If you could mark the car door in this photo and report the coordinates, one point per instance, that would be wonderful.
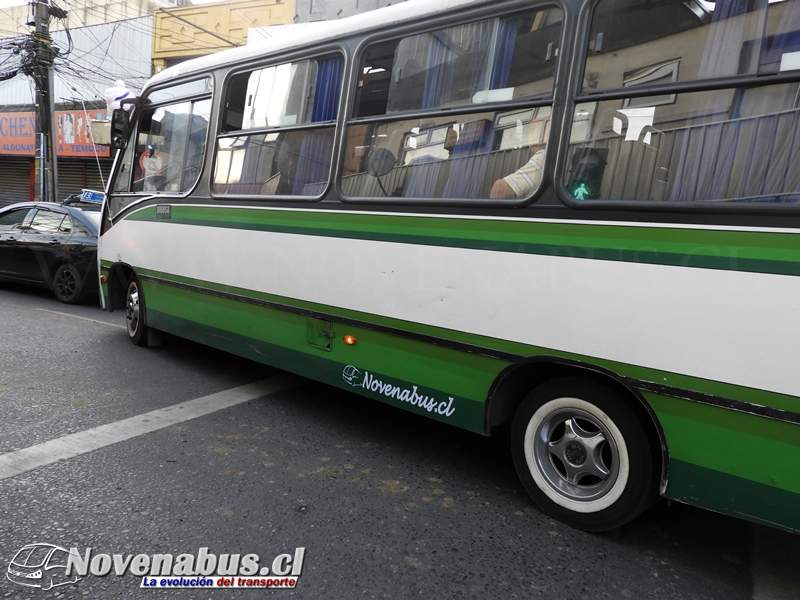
(11, 223)
(41, 246)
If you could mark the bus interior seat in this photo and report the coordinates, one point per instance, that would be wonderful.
(468, 160)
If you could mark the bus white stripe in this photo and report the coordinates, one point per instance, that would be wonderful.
(729, 326)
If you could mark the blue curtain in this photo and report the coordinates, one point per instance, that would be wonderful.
(314, 163)
(438, 74)
(506, 38)
(327, 89)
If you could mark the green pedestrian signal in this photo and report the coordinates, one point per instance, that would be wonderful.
(581, 192)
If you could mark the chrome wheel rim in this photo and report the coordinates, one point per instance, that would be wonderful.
(132, 309)
(576, 455)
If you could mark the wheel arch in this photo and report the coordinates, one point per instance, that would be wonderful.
(118, 277)
(514, 383)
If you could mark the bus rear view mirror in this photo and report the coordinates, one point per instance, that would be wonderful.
(120, 127)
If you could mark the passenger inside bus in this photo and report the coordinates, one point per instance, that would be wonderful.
(523, 182)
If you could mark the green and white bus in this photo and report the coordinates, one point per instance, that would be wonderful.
(578, 219)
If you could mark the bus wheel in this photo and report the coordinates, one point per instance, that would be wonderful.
(134, 313)
(583, 455)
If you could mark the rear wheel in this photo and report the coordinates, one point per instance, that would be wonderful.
(67, 284)
(134, 313)
(584, 455)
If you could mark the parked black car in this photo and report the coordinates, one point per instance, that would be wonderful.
(50, 245)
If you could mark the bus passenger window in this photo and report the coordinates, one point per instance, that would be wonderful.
(667, 135)
(438, 155)
(278, 129)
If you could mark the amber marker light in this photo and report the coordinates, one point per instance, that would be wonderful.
(103, 278)
(350, 340)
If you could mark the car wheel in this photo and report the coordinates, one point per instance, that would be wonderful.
(67, 284)
(584, 455)
(134, 313)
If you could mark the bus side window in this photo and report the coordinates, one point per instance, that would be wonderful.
(277, 135)
(680, 141)
(438, 155)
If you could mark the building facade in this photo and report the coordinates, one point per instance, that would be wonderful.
(87, 65)
(190, 31)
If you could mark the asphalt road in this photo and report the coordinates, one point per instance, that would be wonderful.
(385, 503)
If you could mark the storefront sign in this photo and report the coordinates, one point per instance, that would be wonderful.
(73, 136)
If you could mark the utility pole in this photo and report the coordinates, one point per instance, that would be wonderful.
(44, 54)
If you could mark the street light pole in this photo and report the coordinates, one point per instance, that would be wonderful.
(44, 53)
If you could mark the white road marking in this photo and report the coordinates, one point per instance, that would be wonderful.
(773, 564)
(63, 314)
(70, 446)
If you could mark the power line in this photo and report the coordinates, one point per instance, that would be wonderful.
(158, 30)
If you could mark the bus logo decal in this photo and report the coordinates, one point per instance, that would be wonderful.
(354, 377)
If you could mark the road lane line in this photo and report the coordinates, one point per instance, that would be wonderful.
(63, 314)
(774, 564)
(75, 444)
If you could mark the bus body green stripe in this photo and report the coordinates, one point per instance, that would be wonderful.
(753, 448)
(747, 251)
(513, 349)
(435, 373)
(734, 496)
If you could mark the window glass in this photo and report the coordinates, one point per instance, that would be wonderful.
(297, 103)
(122, 180)
(166, 153)
(292, 163)
(272, 97)
(14, 219)
(448, 157)
(640, 42)
(730, 145)
(47, 221)
(481, 155)
(81, 229)
(498, 59)
(169, 147)
(184, 90)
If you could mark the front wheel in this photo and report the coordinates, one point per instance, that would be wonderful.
(134, 313)
(583, 455)
(67, 284)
